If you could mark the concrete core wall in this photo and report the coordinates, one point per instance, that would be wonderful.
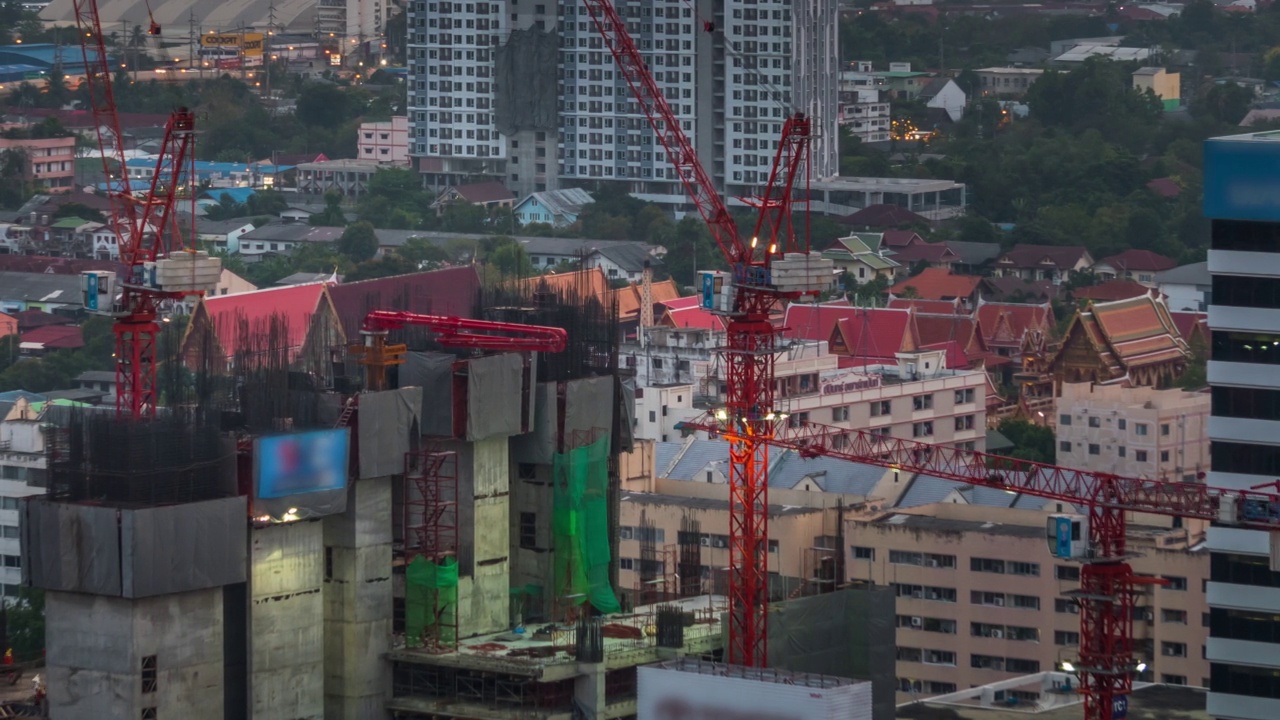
(533, 566)
(286, 631)
(484, 515)
(96, 646)
(358, 604)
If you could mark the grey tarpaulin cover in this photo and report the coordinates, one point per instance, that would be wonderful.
(525, 68)
(589, 404)
(433, 372)
(389, 425)
(848, 633)
(494, 386)
(179, 548)
(539, 445)
(74, 548)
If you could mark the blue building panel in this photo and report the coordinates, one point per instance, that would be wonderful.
(1245, 172)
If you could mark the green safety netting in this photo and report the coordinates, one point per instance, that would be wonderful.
(580, 524)
(430, 601)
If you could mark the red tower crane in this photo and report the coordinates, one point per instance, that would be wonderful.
(754, 294)
(1107, 582)
(142, 223)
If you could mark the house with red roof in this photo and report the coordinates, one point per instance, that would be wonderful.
(295, 326)
(883, 216)
(1138, 266)
(940, 284)
(687, 312)
(1132, 342)
(1110, 291)
(1043, 262)
(962, 333)
(937, 255)
(50, 337)
(1193, 327)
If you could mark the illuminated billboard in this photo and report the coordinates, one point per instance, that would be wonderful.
(247, 43)
(301, 463)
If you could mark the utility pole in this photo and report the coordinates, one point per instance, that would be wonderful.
(266, 56)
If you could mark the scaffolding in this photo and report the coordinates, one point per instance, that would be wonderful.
(431, 532)
(689, 567)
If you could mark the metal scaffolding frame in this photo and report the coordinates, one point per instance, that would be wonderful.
(431, 524)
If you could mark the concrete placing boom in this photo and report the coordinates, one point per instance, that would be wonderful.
(752, 338)
(1107, 582)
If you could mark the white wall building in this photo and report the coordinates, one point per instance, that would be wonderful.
(1188, 287)
(730, 89)
(22, 474)
(865, 112)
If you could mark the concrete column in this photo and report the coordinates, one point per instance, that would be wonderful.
(286, 636)
(358, 604)
(588, 689)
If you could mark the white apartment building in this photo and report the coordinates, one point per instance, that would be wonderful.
(866, 114)
(385, 142)
(1134, 432)
(917, 399)
(731, 90)
(22, 474)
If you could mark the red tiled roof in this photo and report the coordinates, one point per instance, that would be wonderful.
(484, 192)
(1004, 324)
(687, 312)
(1191, 324)
(955, 357)
(873, 335)
(961, 329)
(803, 321)
(1165, 187)
(628, 298)
(1133, 332)
(32, 319)
(293, 304)
(55, 337)
(937, 307)
(928, 252)
(1111, 290)
(1139, 260)
(451, 291)
(938, 284)
(900, 238)
(1063, 257)
(55, 266)
(883, 216)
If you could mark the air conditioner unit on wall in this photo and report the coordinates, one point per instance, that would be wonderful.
(704, 542)
(997, 634)
(917, 622)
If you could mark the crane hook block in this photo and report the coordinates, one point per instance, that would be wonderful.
(708, 26)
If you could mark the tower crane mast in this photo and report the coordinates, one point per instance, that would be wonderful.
(143, 224)
(753, 296)
(1108, 584)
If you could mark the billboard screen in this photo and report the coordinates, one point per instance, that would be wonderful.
(301, 463)
(246, 43)
(1242, 177)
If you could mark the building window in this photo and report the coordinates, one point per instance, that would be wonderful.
(1064, 446)
(922, 429)
(149, 679)
(1064, 419)
(1140, 429)
(1164, 429)
(964, 396)
(987, 565)
(1094, 449)
(1173, 679)
(1066, 637)
(964, 422)
(149, 714)
(1175, 583)
(529, 530)
(880, 408)
(1178, 617)
(1121, 423)
(922, 402)
(1024, 568)
(1173, 649)
(864, 553)
(1140, 455)
(626, 564)
(1066, 572)
(840, 414)
(1066, 606)
(1095, 421)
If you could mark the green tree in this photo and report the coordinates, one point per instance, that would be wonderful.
(359, 242)
(423, 254)
(689, 250)
(1030, 442)
(511, 260)
(332, 215)
(25, 625)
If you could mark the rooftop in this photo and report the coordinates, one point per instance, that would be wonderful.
(1193, 274)
(1148, 702)
(939, 284)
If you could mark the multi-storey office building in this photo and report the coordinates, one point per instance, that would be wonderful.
(530, 94)
(1242, 202)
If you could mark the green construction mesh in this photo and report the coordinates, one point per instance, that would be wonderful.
(581, 526)
(431, 595)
